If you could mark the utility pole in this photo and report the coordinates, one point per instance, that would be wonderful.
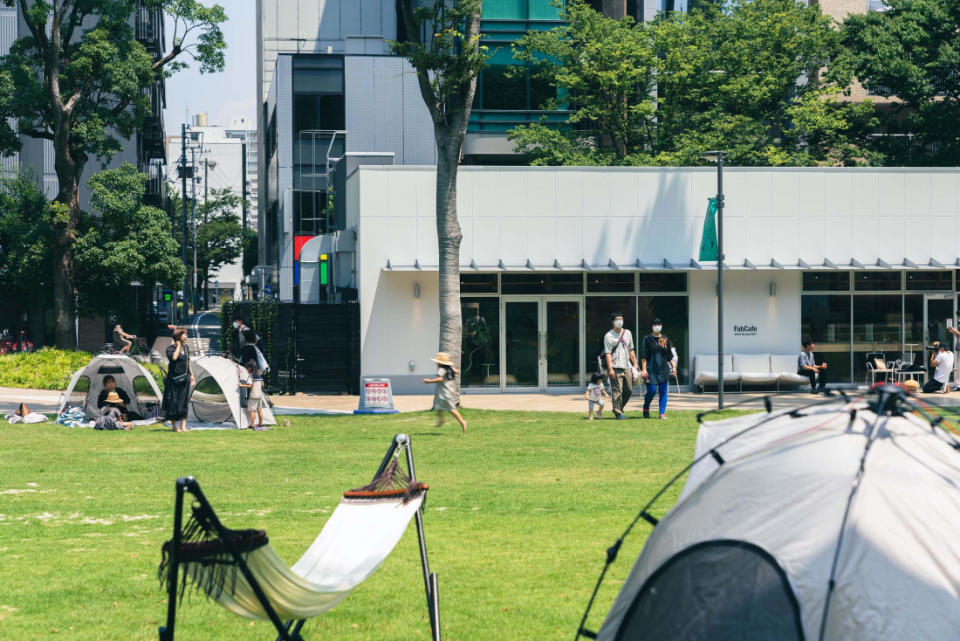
(193, 210)
(243, 196)
(183, 217)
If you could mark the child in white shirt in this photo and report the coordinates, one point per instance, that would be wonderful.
(594, 396)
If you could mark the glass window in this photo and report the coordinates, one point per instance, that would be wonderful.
(598, 323)
(876, 328)
(480, 351)
(672, 310)
(504, 88)
(826, 321)
(832, 281)
(610, 282)
(534, 283)
(309, 212)
(317, 111)
(876, 281)
(912, 328)
(663, 282)
(930, 280)
(541, 90)
(478, 283)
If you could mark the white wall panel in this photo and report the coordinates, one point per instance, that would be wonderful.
(837, 193)
(943, 193)
(890, 194)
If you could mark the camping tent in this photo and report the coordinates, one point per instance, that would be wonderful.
(829, 523)
(215, 399)
(87, 383)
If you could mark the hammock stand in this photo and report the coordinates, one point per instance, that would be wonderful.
(237, 544)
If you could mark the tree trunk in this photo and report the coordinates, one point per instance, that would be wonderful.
(449, 236)
(64, 272)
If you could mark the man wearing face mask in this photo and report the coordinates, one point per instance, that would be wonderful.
(619, 353)
(657, 366)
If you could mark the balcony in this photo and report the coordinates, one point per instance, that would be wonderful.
(315, 151)
(152, 136)
(877, 5)
(148, 27)
(155, 189)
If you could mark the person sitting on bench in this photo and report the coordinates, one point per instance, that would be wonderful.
(942, 360)
(807, 366)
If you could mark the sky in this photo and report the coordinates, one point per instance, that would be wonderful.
(224, 96)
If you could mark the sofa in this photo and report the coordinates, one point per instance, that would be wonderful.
(752, 369)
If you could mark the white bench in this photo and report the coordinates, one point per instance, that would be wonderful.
(752, 369)
(705, 370)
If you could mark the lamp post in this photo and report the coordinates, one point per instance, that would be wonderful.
(718, 157)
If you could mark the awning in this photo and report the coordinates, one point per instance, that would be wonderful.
(851, 264)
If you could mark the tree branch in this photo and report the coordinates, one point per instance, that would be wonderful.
(37, 133)
(37, 31)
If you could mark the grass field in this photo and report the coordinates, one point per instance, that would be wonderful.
(520, 513)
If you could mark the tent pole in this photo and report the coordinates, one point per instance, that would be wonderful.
(429, 580)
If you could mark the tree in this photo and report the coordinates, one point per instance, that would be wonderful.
(122, 241)
(744, 76)
(606, 68)
(443, 45)
(79, 76)
(219, 232)
(910, 52)
(26, 226)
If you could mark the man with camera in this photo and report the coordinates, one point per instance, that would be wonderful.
(942, 360)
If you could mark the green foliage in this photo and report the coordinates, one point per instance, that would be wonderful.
(251, 251)
(122, 241)
(519, 514)
(26, 226)
(910, 52)
(448, 58)
(745, 77)
(44, 369)
(260, 316)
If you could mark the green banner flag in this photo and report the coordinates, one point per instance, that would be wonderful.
(708, 243)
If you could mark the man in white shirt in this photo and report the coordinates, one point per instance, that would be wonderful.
(619, 354)
(942, 360)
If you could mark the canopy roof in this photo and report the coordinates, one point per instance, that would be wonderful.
(87, 383)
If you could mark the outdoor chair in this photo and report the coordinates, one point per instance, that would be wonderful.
(877, 365)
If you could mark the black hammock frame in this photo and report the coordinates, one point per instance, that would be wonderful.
(887, 400)
(286, 630)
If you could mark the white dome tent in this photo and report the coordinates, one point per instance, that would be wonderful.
(215, 398)
(837, 522)
(87, 383)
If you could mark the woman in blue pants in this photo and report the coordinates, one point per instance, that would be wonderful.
(657, 366)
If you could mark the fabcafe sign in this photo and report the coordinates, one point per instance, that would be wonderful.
(744, 330)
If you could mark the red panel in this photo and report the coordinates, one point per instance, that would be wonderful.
(298, 243)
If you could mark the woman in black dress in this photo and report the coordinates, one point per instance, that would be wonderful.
(176, 389)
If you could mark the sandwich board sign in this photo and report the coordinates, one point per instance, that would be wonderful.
(376, 397)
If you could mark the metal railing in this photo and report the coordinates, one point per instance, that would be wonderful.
(316, 151)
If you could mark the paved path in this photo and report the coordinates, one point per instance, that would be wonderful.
(46, 401)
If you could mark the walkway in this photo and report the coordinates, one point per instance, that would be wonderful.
(46, 401)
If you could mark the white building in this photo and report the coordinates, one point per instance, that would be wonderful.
(860, 260)
(219, 165)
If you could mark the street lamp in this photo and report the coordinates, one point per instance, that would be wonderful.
(717, 157)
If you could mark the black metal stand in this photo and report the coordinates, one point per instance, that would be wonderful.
(286, 630)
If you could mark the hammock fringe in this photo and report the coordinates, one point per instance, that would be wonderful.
(391, 483)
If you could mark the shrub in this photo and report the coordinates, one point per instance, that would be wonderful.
(44, 369)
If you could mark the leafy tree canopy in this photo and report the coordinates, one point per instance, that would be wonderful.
(26, 224)
(744, 77)
(910, 52)
(122, 240)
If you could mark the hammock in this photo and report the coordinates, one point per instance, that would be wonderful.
(239, 570)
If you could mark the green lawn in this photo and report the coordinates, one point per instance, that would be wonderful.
(520, 513)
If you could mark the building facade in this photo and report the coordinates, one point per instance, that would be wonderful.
(844, 256)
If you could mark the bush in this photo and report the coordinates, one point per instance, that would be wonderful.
(44, 369)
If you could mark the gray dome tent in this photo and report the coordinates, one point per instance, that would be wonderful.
(87, 383)
(837, 522)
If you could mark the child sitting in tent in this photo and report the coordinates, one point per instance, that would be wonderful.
(111, 417)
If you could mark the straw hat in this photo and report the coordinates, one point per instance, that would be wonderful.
(113, 397)
(911, 385)
(442, 358)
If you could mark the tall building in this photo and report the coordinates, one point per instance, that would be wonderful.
(145, 149)
(329, 86)
(217, 160)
